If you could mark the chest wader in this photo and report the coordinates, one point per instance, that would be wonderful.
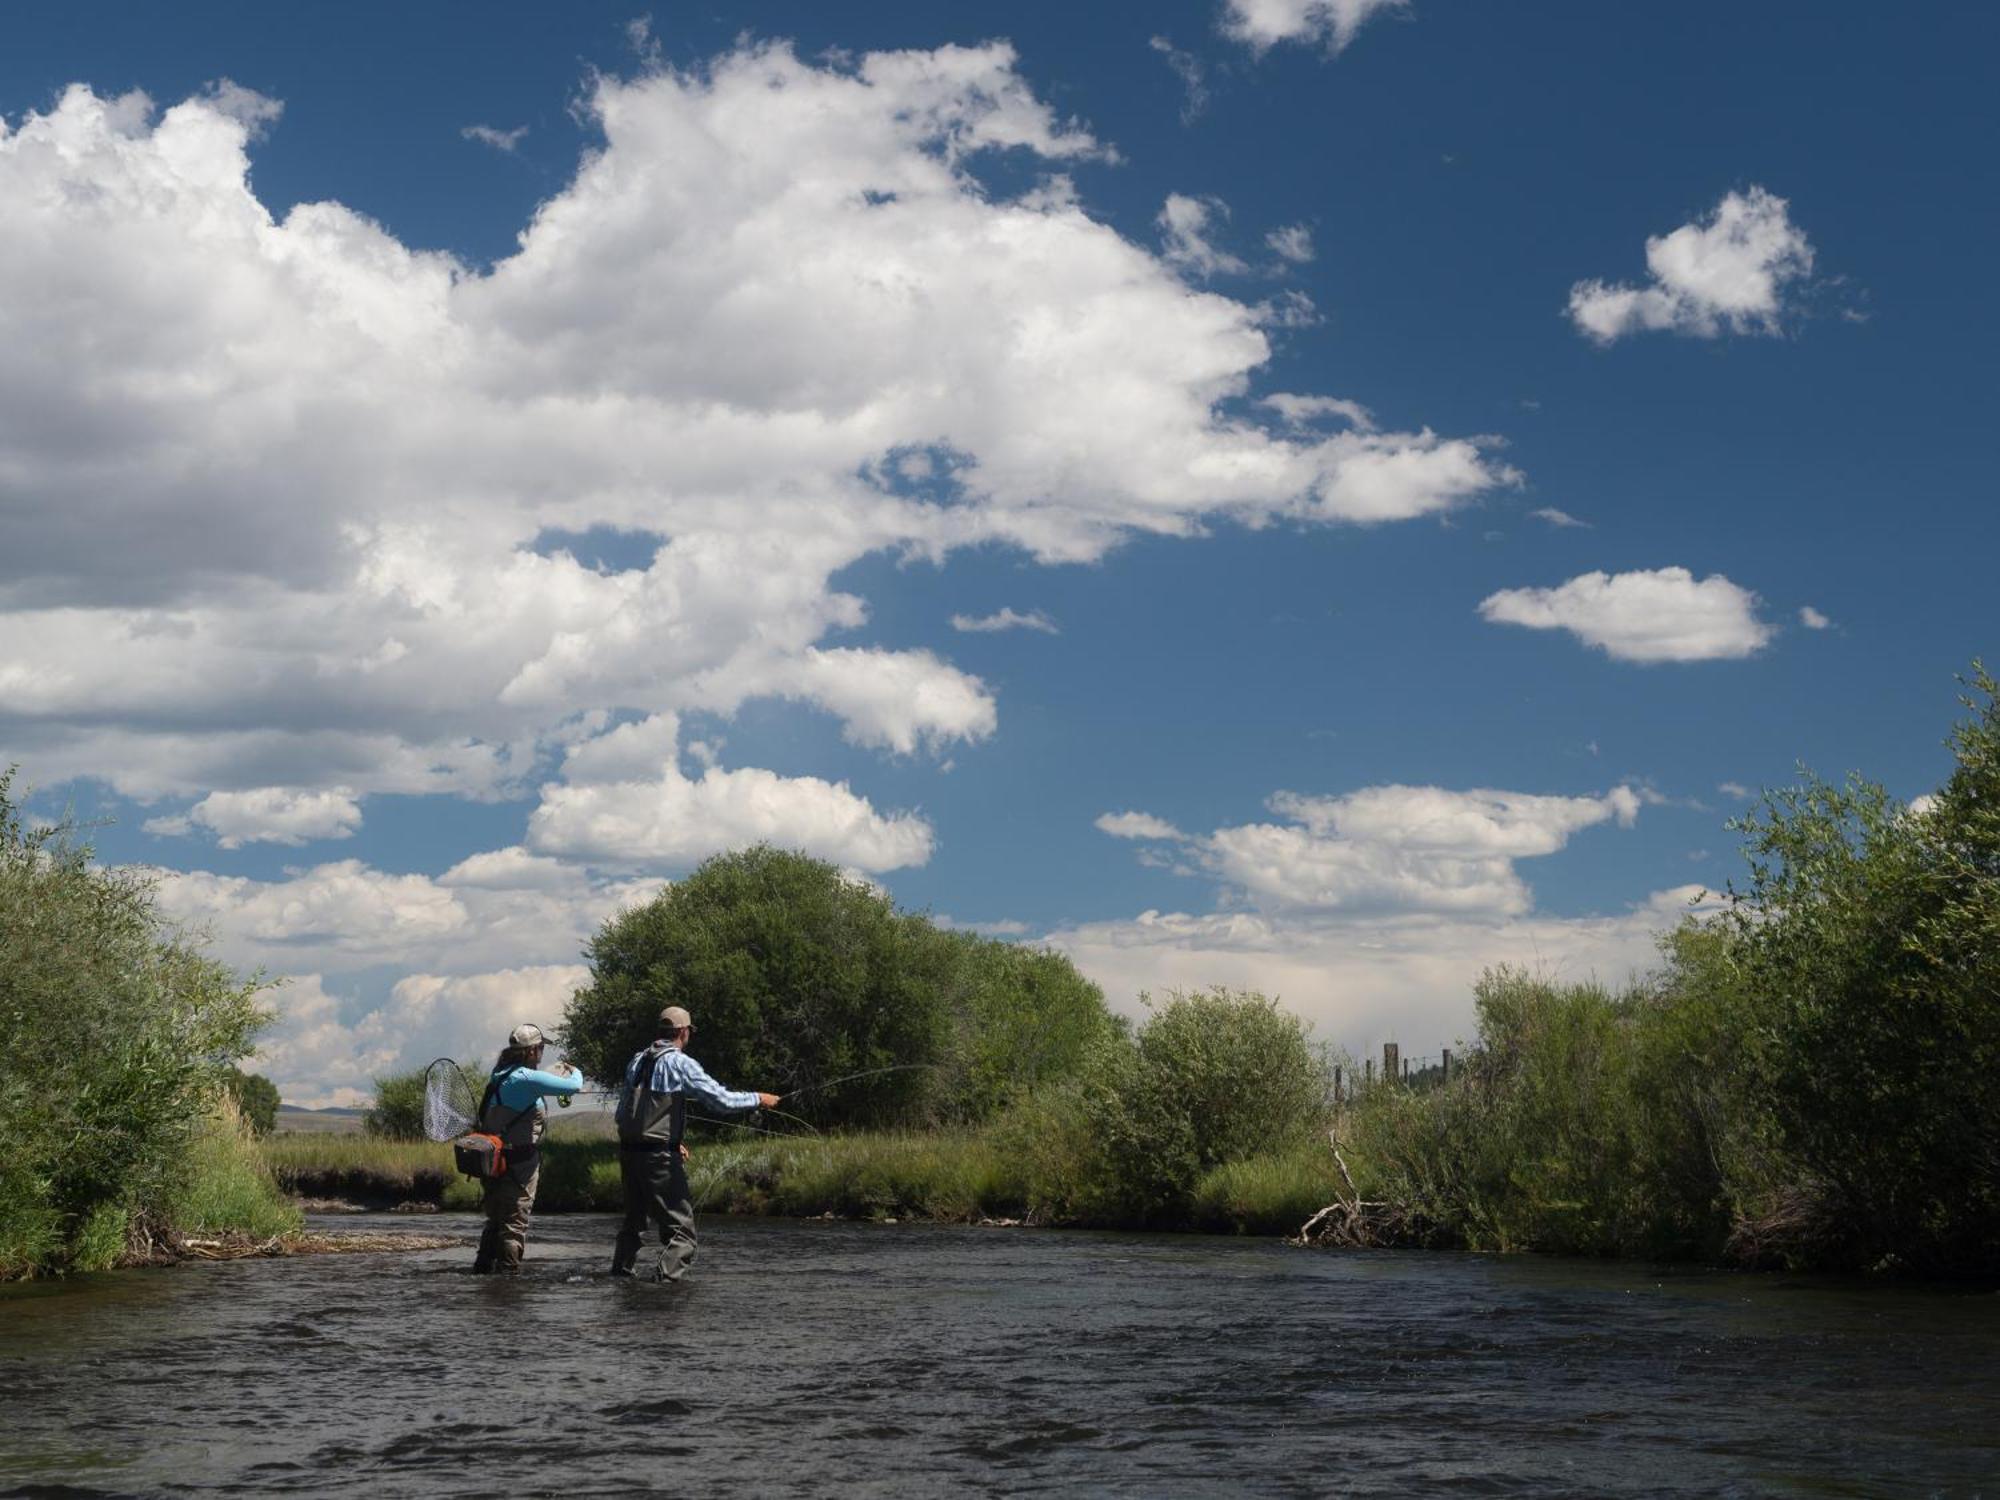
(651, 1120)
(651, 1123)
(509, 1198)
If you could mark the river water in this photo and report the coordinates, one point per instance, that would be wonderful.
(844, 1358)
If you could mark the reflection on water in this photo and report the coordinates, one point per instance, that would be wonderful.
(850, 1358)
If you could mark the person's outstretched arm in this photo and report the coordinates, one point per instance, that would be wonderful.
(694, 1078)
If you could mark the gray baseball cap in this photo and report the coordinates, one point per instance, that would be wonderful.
(673, 1018)
(527, 1034)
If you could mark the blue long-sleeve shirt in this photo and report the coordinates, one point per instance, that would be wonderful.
(526, 1086)
(677, 1073)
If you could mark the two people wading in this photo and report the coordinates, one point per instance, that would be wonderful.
(513, 1109)
(652, 1161)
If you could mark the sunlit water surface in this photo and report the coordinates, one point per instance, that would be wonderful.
(841, 1358)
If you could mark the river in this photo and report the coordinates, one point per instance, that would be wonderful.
(843, 1358)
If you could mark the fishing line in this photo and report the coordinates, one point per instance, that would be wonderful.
(852, 1077)
(783, 1135)
(784, 1116)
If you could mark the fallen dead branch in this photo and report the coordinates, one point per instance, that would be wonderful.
(242, 1247)
(1352, 1222)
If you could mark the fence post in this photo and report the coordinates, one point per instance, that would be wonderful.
(1368, 1071)
(1447, 1065)
(1391, 1071)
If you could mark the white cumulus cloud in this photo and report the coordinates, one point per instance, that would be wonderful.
(1262, 24)
(1372, 913)
(1664, 614)
(268, 815)
(500, 140)
(1812, 619)
(1005, 618)
(326, 1049)
(1729, 273)
(1404, 848)
(1293, 243)
(1184, 232)
(1557, 518)
(1137, 825)
(273, 484)
(624, 800)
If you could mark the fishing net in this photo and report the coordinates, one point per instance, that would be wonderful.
(450, 1106)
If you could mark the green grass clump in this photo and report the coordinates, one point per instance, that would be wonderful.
(226, 1186)
(1274, 1192)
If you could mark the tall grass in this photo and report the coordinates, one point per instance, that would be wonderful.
(1583, 1123)
(225, 1186)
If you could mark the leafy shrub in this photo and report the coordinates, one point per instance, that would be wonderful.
(798, 977)
(255, 1098)
(132, 1031)
(1211, 1077)
(397, 1111)
(1867, 940)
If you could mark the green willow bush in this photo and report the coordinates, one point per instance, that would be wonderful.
(1867, 944)
(1567, 1129)
(798, 976)
(1211, 1078)
(131, 1033)
(396, 1113)
(1813, 1079)
(255, 1098)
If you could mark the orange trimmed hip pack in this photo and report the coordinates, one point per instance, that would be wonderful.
(482, 1153)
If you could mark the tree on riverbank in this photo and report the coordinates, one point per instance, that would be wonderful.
(1866, 946)
(125, 1034)
(256, 1098)
(1812, 1080)
(797, 976)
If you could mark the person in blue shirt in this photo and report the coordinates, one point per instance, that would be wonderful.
(652, 1162)
(513, 1109)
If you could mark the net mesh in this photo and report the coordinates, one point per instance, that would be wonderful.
(450, 1106)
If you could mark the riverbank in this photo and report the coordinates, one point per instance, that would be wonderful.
(944, 1177)
(284, 1246)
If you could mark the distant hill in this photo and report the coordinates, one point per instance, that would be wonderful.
(291, 1117)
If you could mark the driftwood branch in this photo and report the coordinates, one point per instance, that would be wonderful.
(1352, 1222)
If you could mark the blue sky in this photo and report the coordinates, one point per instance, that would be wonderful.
(472, 463)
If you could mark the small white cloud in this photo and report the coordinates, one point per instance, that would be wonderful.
(1727, 274)
(512, 869)
(269, 815)
(1737, 790)
(625, 801)
(499, 140)
(1557, 518)
(1005, 619)
(1262, 24)
(1193, 77)
(1184, 228)
(1923, 803)
(1812, 619)
(1137, 825)
(168, 828)
(1387, 849)
(1660, 615)
(1294, 243)
(1303, 411)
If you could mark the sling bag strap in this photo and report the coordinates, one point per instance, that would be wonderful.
(492, 1096)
